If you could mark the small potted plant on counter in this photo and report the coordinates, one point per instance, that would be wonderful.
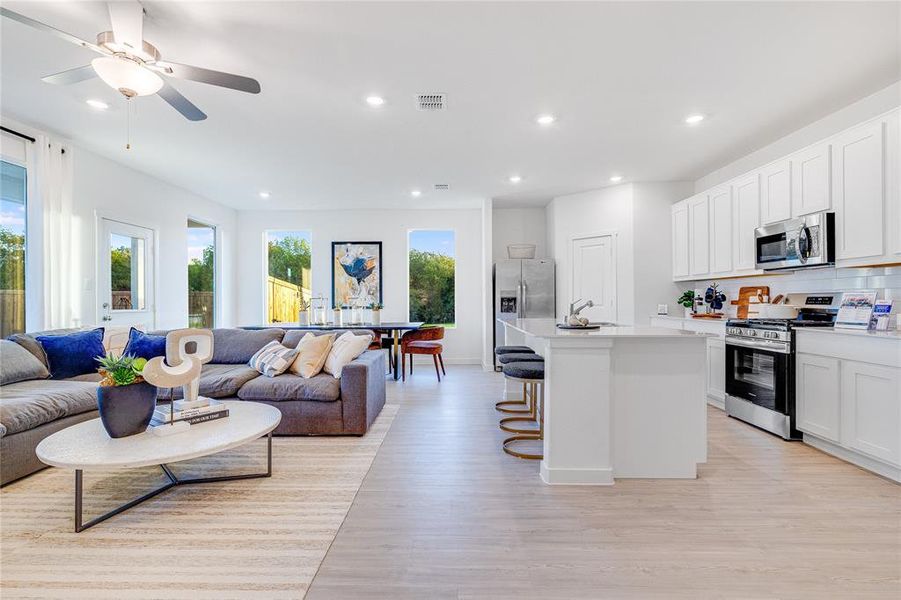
(687, 299)
(125, 401)
(376, 310)
(303, 313)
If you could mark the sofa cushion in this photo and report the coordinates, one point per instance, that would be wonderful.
(74, 353)
(91, 377)
(273, 359)
(18, 364)
(237, 346)
(145, 345)
(27, 404)
(28, 341)
(217, 381)
(293, 336)
(322, 388)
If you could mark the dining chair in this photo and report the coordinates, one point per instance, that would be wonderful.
(422, 341)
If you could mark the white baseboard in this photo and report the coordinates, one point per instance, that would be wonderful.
(576, 476)
(862, 461)
(716, 402)
(427, 360)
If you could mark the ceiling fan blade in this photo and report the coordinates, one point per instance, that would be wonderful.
(127, 19)
(226, 80)
(71, 76)
(180, 103)
(51, 30)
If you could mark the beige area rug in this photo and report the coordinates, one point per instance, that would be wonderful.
(260, 538)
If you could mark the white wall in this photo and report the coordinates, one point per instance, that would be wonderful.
(391, 227)
(849, 116)
(652, 212)
(519, 226)
(599, 211)
(101, 186)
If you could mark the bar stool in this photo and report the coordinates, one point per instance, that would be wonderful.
(530, 373)
(511, 349)
(509, 406)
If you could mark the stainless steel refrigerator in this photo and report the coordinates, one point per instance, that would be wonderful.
(523, 289)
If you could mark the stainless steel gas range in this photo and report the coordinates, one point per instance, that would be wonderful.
(760, 363)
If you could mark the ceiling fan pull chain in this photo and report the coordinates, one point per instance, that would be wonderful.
(127, 123)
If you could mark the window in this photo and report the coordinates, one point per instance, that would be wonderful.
(12, 248)
(289, 258)
(127, 272)
(201, 275)
(432, 275)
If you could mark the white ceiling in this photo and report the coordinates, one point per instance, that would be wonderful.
(620, 76)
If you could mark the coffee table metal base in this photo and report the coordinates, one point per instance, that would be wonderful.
(173, 481)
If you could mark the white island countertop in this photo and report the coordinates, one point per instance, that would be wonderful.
(891, 334)
(547, 329)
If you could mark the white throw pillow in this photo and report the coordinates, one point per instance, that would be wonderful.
(345, 349)
(115, 339)
(272, 359)
(312, 352)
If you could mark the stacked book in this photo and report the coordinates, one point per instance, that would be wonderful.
(210, 411)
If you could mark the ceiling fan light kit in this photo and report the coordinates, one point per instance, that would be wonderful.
(127, 76)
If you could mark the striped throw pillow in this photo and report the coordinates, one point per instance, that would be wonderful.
(272, 359)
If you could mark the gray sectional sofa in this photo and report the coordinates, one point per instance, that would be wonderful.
(32, 409)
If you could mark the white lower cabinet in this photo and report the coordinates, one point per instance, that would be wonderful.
(871, 410)
(716, 370)
(846, 406)
(818, 396)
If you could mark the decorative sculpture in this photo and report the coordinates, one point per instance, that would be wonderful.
(187, 350)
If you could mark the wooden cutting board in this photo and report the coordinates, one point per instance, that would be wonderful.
(744, 296)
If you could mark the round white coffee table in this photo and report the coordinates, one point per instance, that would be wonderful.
(86, 446)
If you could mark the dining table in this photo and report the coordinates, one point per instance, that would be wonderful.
(394, 329)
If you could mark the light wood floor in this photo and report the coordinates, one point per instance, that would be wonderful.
(443, 513)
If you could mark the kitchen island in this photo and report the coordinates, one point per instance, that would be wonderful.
(619, 402)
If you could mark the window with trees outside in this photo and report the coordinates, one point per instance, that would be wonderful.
(432, 270)
(288, 283)
(201, 275)
(12, 248)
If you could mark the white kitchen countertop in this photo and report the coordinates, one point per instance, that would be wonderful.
(891, 334)
(690, 319)
(547, 328)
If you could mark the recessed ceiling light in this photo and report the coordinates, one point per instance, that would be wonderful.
(264, 195)
(616, 179)
(694, 119)
(98, 104)
(515, 179)
(375, 100)
(416, 193)
(545, 119)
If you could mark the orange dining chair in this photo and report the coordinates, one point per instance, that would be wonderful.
(422, 341)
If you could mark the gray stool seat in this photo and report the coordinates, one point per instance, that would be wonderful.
(524, 370)
(512, 350)
(519, 357)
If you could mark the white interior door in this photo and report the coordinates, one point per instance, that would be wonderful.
(125, 275)
(593, 276)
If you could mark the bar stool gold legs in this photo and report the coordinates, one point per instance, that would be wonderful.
(506, 424)
(505, 406)
(527, 435)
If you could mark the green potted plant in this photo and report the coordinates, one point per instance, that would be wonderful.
(687, 299)
(303, 313)
(376, 309)
(125, 401)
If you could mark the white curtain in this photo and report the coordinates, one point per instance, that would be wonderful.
(62, 296)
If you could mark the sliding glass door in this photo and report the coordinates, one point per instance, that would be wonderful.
(12, 248)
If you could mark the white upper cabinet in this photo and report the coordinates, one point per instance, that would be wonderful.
(720, 200)
(810, 181)
(698, 235)
(776, 192)
(746, 218)
(680, 239)
(858, 186)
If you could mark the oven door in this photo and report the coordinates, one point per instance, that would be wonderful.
(760, 371)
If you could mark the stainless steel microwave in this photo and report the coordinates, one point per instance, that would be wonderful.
(807, 241)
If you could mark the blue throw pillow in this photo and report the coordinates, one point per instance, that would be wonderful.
(73, 354)
(143, 345)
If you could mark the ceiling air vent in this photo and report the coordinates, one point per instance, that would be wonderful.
(431, 101)
(442, 187)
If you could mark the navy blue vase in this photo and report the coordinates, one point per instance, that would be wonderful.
(126, 409)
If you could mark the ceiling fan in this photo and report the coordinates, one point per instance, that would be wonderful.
(132, 66)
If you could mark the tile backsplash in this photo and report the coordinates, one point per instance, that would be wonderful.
(885, 281)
